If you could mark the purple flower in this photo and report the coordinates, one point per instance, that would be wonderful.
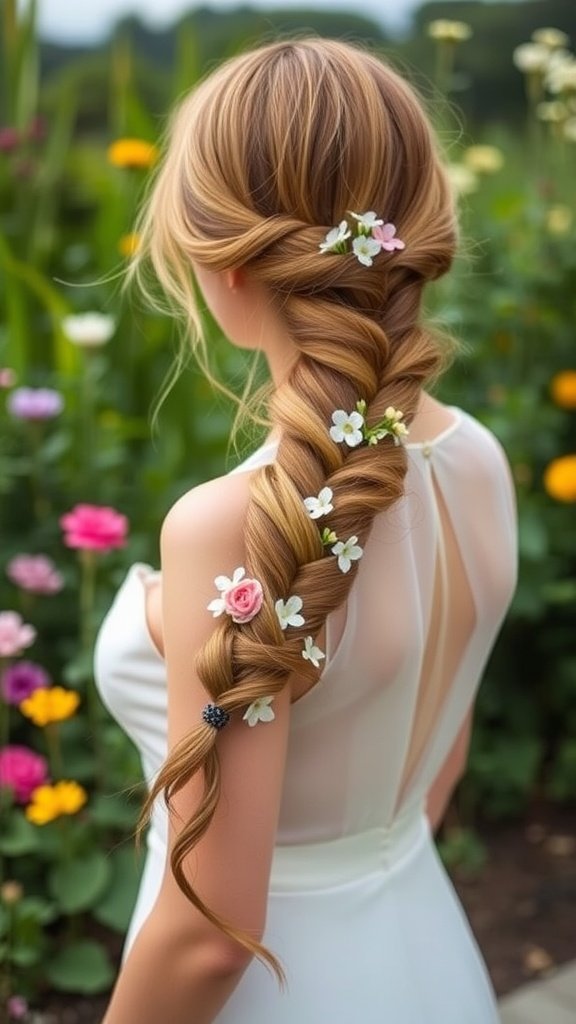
(36, 573)
(18, 681)
(35, 403)
(17, 1008)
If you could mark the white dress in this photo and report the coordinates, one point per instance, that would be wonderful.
(361, 911)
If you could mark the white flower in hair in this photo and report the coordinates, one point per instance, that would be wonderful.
(365, 248)
(348, 551)
(347, 427)
(321, 505)
(223, 584)
(367, 220)
(288, 612)
(311, 652)
(335, 237)
(259, 711)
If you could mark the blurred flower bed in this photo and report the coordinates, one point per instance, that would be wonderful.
(85, 480)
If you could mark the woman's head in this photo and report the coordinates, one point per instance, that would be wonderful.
(264, 157)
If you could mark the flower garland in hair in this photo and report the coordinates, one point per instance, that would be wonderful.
(373, 236)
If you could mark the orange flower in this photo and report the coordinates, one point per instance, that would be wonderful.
(132, 153)
(129, 244)
(560, 478)
(49, 802)
(50, 704)
(563, 389)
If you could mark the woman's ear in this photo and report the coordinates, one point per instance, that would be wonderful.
(235, 279)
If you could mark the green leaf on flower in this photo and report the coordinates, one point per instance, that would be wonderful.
(79, 884)
(18, 835)
(83, 967)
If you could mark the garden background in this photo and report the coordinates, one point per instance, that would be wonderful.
(86, 475)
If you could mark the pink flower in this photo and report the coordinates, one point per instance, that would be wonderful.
(36, 573)
(15, 634)
(7, 377)
(17, 1007)
(385, 234)
(244, 600)
(22, 770)
(94, 528)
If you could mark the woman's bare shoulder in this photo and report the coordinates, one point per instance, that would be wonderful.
(214, 509)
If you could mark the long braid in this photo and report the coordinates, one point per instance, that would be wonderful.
(356, 331)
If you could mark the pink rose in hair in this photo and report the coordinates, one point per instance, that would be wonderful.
(94, 528)
(244, 600)
(22, 770)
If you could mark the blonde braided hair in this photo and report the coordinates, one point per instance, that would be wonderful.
(266, 155)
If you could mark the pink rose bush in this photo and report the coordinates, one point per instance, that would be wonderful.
(35, 573)
(22, 770)
(15, 634)
(94, 528)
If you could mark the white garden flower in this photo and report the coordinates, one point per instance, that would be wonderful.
(561, 78)
(365, 248)
(554, 112)
(223, 583)
(553, 38)
(484, 159)
(335, 237)
(531, 58)
(288, 612)
(89, 330)
(347, 551)
(367, 220)
(259, 711)
(462, 178)
(447, 31)
(321, 505)
(311, 652)
(347, 427)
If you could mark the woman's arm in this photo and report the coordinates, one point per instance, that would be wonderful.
(451, 772)
(181, 969)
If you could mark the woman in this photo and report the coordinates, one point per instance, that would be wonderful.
(301, 675)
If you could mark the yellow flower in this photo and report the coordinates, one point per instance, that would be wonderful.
(553, 38)
(484, 159)
(132, 153)
(129, 244)
(560, 478)
(563, 389)
(449, 31)
(11, 892)
(559, 219)
(50, 704)
(50, 802)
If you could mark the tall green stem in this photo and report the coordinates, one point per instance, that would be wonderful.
(87, 599)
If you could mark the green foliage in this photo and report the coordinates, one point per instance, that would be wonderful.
(63, 211)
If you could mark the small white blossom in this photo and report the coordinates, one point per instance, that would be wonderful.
(259, 711)
(89, 330)
(367, 220)
(312, 653)
(531, 58)
(446, 31)
(321, 505)
(347, 427)
(553, 38)
(348, 551)
(365, 248)
(223, 583)
(335, 237)
(288, 612)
